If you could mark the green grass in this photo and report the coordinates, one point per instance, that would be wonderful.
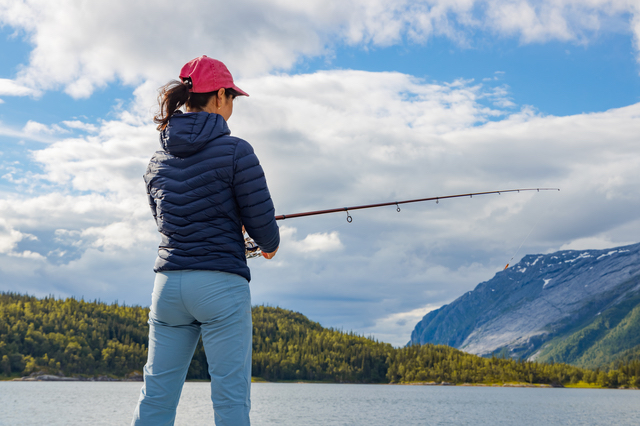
(584, 385)
(255, 379)
(4, 378)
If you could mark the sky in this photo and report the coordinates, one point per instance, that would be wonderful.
(352, 102)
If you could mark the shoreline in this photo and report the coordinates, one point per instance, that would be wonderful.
(258, 380)
(34, 377)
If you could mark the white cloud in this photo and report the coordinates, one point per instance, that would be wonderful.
(120, 235)
(565, 20)
(77, 124)
(256, 37)
(312, 243)
(593, 243)
(396, 328)
(35, 128)
(112, 161)
(12, 132)
(28, 254)
(320, 242)
(41, 132)
(12, 88)
(332, 139)
(10, 237)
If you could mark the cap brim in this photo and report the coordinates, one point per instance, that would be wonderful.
(240, 91)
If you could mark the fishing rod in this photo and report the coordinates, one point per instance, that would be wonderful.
(397, 203)
(252, 249)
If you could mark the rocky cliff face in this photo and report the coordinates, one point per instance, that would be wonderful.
(523, 310)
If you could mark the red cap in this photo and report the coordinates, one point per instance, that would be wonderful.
(208, 75)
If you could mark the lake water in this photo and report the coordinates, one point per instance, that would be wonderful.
(112, 403)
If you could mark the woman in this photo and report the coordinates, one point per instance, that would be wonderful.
(204, 186)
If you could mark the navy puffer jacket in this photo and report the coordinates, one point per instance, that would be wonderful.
(203, 186)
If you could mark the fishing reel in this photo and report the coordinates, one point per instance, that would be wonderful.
(251, 249)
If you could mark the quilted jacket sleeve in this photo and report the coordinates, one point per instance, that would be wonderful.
(254, 200)
(152, 202)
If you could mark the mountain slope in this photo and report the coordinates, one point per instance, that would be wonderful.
(610, 334)
(581, 307)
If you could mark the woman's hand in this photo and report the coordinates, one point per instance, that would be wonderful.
(270, 255)
(265, 255)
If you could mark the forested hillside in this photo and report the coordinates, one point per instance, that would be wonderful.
(73, 337)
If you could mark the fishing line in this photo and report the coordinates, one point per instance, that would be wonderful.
(523, 241)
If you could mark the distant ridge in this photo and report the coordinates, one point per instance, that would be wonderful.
(574, 306)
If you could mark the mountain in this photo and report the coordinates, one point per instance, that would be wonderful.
(574, 306)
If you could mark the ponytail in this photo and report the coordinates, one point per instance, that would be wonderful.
(175, 94)
(172, 97)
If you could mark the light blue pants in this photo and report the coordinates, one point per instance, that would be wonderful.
(183, 305)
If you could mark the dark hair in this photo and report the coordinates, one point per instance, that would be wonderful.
(175, 94)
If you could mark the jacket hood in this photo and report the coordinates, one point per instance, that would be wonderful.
(188, 133)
